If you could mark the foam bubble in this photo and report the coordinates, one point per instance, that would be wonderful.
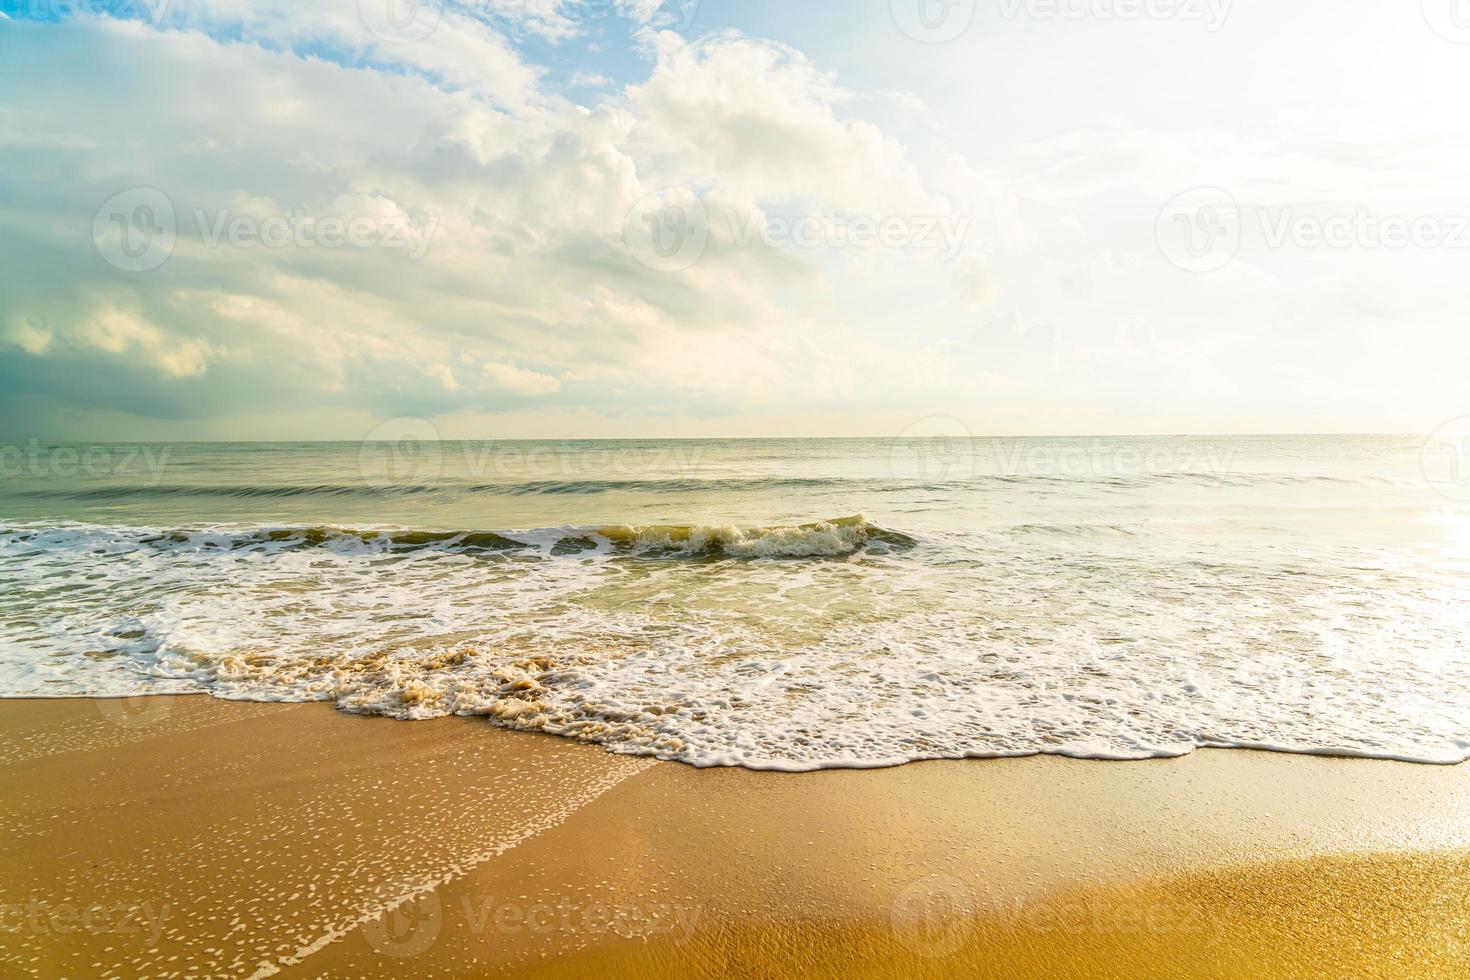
(791, 646)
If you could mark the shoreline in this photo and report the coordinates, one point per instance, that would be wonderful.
(247, 838)
(776, 769)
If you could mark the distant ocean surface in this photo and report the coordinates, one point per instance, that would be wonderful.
(785, 604)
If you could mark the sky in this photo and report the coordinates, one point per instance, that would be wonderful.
(269, 219)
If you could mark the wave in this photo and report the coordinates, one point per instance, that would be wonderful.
(1074, 530)
(842, 536)
(150, 491)
(524, 488)
(833, 538)
(792, 646)
(527, 488)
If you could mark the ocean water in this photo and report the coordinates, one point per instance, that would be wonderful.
(785, 604)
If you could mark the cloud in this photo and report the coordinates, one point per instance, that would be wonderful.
(455, 44)
(657, 13)
(587, 79)
(350, 226)
(328, 256)
(762, 117)
(521, 381)
(975, 279)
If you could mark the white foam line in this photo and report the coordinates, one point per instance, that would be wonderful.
(433, 880)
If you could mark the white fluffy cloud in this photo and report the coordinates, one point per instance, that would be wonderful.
(374, 218)
(519, 380)
(363, 219)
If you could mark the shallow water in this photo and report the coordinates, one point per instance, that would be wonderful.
(722, 602)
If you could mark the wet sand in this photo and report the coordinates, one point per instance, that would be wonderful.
(187, 836)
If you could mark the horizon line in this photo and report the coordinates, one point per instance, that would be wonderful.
(32, 440)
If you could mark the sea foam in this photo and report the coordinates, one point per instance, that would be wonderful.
(784, 646)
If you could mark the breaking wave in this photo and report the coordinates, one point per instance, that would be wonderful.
(1309, 599)
(818, 539)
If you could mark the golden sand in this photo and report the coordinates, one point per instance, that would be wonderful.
(1402, 916)
(194, 837)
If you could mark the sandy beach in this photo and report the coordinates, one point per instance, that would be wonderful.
(190, 836)
(682, 489)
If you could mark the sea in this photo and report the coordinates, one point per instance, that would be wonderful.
(788, 604)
